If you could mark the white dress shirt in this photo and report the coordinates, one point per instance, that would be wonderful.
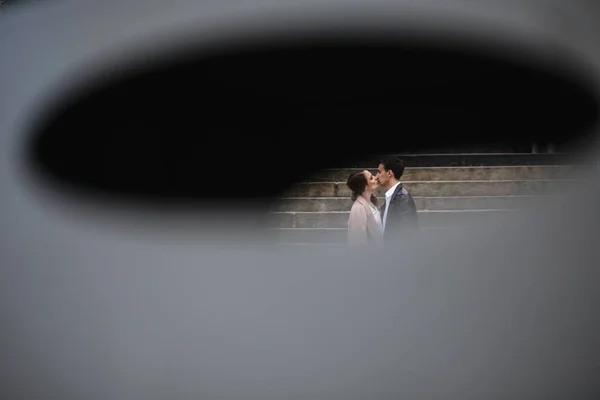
(388, 196)
(377, 216)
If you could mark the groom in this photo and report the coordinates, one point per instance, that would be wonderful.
(399, 212)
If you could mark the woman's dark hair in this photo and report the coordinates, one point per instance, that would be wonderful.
(357, 182)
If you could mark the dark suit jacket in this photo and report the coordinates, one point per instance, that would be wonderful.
(402, 215)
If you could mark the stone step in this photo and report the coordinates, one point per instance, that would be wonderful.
(325, 236)
(520, 172)
(521, 148)
(320, 204)
(440, 188)
(478, 202)
(472, 159)
(339, 219)
(526, 147)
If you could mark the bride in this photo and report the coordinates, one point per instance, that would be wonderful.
(364, 224)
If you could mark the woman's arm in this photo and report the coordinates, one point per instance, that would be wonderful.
(357, 226)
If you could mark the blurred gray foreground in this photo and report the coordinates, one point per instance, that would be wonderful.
(108, 304)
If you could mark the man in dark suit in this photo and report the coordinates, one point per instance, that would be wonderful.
(399, 212)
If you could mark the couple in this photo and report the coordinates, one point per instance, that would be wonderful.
(370, 224)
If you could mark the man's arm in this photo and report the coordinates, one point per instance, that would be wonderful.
(404, 213)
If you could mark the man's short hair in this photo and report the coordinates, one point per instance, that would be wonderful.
(394, 164)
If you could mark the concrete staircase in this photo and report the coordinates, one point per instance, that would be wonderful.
(448, 189)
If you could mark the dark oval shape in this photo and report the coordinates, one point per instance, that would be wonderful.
(242, 123)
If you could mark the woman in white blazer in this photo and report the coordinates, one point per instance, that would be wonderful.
(364, 223)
